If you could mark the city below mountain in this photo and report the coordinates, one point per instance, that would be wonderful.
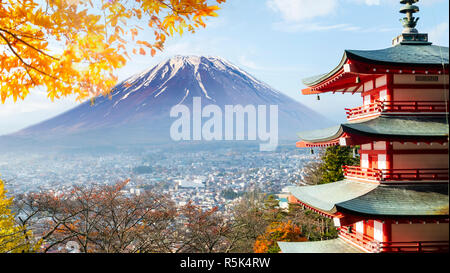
(137, 111)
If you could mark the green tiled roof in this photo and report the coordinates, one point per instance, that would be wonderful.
(324, 197)
(404, 54)
(410, 200)
(391, 126)
(419, 200)
(414, 55)
(328, 246)
(321, 135)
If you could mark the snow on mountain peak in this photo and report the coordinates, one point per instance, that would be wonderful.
(161, 74)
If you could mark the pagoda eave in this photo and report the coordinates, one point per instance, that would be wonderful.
(392, 128)
(357, 67)
(349, 201)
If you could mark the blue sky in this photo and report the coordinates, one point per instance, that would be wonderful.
(278, 41)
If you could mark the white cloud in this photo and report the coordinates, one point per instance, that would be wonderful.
(312, 26)
(299, 15)
(302, 10)
(393, 2)
(244, 61)
(372, 2)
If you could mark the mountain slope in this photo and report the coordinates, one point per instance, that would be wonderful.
(137, 110)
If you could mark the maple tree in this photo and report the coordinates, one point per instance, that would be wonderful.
(13, 237)
(278, 231)
(100, 219)
(203, 231)
(74, 46)
(109, 219)
(249, 221)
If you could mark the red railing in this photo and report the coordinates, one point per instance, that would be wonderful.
(362, 240)
(379, 107)
(416, 246)
(415, 106)
(364, 173)
(371, 245)
(415, 174)
(365, 110)
(395, 174)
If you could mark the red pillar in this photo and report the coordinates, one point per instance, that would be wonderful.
(389, 155)
(387, 229)
(389, 85)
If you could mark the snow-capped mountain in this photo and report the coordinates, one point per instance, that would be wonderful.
(138, 109)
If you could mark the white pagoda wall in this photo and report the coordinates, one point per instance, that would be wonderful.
(423, 94)
(420, 94)
(426, 161)
(419, 160)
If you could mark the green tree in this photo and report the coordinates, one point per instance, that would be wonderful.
(334, 158)
(272, 211)
(329, 168)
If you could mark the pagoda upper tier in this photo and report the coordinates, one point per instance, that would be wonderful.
(360, 66)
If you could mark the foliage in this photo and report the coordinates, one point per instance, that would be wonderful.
(295, 225)
(314, 226)
(313, 171)
(101, 219)
(278, 231)
(203, 231)
(13, 238)
(230, 194)
(256, 212)
(272, 211)
(329, 168)
(107, 219)
(248, 222)
(74, 46)
(334, 158)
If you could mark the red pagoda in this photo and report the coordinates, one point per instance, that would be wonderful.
(397, 199)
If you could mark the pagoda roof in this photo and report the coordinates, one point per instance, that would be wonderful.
(404, 55)
(383, 126)
(327, 246)
(419, 200)
(325, 197)
(399, 200)
(400, 55)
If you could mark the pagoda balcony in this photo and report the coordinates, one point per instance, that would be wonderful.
(398, 108)
(359, 239)
(372, 245)
(395, 175)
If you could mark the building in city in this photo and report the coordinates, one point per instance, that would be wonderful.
(397, 199)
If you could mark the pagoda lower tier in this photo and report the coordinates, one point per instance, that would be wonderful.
(377, 218)
(396, 200)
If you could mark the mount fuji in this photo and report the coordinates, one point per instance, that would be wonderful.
(138, 109)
